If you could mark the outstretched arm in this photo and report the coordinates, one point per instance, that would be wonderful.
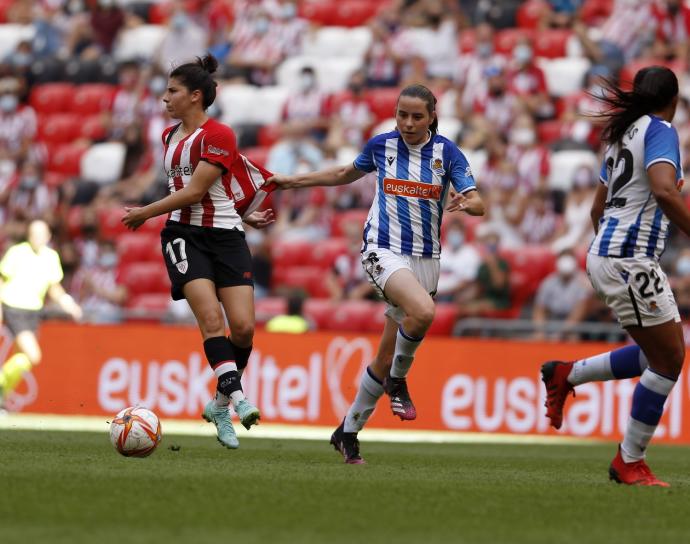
(337, 175)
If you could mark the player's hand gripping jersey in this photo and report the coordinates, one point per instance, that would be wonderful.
(411, 191)
(236, 193)
(633, 224)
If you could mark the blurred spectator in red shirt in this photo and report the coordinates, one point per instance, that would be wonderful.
(672, 22)
(530, 158)
(107, 18)
(539, 221)
(351, 116)
(526, 81)
(496, 103)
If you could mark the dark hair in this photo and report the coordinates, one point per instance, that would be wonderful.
(196, 76)
(420, 91)
(653, 89)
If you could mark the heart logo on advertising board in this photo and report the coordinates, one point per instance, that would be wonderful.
(342, 357)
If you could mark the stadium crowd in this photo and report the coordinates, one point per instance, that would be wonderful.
(304, 84)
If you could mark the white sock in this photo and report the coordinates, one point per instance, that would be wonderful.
(405, 346)
(369, 392)
(626, 362)
(646, 411)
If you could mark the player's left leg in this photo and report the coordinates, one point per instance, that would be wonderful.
(238, 303)
(344, 438)
(665, 349)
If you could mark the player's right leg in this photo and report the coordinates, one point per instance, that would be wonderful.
(344, 438)
(201, 296)
(404, 290)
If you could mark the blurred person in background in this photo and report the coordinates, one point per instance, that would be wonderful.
(382, 61)
(203, 242)
(527, 82)
(490, 291)
(562, 296)
(680, 282)
(17, 121)
(575, 231)
(346, 280)
(183, 38)
(29, 271)
(351, 116)
(529, 156)
(460, 262)
(494, 102)
(539, 220)
(416, 169)
(293, 322)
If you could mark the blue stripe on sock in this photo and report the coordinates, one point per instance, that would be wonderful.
(625, 362)
(408, 337)
(647, 406)
(371, 375)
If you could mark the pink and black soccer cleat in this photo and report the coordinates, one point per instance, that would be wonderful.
(554, 374)
(636, 473)
(401, 403)
(347, 444)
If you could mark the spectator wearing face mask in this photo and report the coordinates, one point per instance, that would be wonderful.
(530, 158)
(184, 39)
(17, 121)
(351, 117)
(307, 109)
(561, 296)
(97, 290)
(29, 197)
(576, 229)
(527, 81)
(459, 263)
(496, 104)
(382, 60)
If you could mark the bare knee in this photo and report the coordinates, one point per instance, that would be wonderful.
(421, 317)
(669, 360)
(242, 334)
(211, 323)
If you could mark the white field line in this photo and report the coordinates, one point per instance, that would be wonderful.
(45, 422)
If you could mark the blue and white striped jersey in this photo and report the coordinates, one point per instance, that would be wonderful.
(411, 191)
(633, 224)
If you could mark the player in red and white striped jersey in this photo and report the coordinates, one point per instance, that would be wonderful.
(212, 188)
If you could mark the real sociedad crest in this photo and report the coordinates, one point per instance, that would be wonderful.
(182, 266)
(437, 166)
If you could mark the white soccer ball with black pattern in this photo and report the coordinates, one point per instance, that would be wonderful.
(135, 432)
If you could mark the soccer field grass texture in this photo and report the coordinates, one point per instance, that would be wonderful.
(72, 487)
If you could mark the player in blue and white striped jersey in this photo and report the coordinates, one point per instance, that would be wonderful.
(419, 175)
(639, 197)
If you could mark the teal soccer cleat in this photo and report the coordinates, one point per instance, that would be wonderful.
(248, 413)
(220, 417)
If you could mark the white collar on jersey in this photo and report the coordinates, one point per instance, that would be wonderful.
(418, 146)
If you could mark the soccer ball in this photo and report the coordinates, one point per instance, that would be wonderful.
(135, 432)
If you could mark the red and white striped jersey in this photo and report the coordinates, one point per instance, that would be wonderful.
(236, 193)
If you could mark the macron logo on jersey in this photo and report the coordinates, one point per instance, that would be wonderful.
(414, 189)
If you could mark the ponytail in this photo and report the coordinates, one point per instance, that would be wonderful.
(654, 88)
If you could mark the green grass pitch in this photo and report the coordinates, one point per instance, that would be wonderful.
(72, 487)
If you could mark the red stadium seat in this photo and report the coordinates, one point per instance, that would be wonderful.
(138, 247)
(352, 13)
(93, 128)
(5, 5)
(149, 306)
(340, 219)
(53, 180)
(307, 278)
(147, 277)
(110, 222)
(259, 154)
(530, 13)
(318, 12)
(59, 128)
(159, 12)
(593, 12)
(154, 225)
(266, 308)
(92, 98)
(319, 311)
(377, 318)
(552, 43)
(508, 37)
(382, 102)
(268, 135)
(293, 253)
(627, 73)
(444, 319)
(350, 315)
(52, 97)
(66, 159)
(74, 221)
(467, 40)
(324, 253)
(550, 131)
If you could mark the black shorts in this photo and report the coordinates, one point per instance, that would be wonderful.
(192, 252)
(19, 320)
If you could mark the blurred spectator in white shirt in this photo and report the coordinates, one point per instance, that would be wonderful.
(351, 116)
(576, 229)
(184, 39)
(460, 262)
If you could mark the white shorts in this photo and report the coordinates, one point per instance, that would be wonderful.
(636, 289)
(379, 264)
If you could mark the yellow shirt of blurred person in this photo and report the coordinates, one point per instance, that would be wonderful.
(27, 275)
(294, 324)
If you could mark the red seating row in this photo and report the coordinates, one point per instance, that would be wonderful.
(138, 247)
(548, 43)
(348, 13)
(304, 253)
(86, 99)
(110, 225)
(144, 277)
(67, 127)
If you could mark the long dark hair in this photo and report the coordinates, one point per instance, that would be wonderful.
(653, 89)
(197, 76)
(420, 91)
